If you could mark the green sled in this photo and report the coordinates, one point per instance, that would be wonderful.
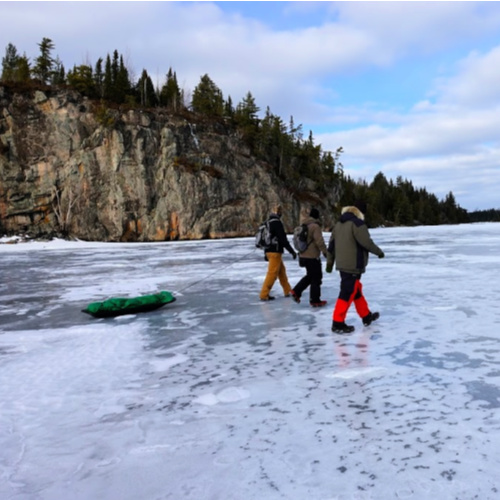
(118, 306)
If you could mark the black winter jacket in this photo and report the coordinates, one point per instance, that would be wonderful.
(279, 238)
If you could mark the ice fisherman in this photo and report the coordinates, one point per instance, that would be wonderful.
(310, 259)
(349, 246)
(274, 256)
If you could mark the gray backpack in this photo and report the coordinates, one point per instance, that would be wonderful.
(263, 236)
(300, 237)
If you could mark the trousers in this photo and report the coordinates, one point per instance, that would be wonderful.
(351, 290)
(276, 270)
(313, 278)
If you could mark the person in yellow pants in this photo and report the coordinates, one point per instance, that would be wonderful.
(276, 269)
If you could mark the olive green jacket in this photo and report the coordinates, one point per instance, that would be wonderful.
(350, 243)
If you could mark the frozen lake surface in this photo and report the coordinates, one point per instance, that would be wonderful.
(219, 396)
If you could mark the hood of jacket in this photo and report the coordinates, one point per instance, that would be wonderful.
(312, 220)
(350, 212)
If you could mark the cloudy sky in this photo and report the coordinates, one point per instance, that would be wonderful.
(410, 89)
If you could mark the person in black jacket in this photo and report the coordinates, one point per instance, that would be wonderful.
(274, 256)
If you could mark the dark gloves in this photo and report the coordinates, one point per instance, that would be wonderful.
(294, 255)
(330, 260)
(382, 255)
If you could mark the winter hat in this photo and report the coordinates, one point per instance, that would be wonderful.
(314, 213)
(361, 206)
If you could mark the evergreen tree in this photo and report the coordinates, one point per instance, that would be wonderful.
(247, 120)
(15, 68)
(207, 98)
(279, 149)
(44, 63)
(453, 213)
(122, 83)
(10, 64)
(361, 192)
(265, 139)
(146, 91)
(82, 79)
(403, 211)
(99, 78)
(170, 94)
(309, 156)
(273, 144)
(294, 132)
(491, 215)
(450, 209)
(228, 108)
(424, 213)
(116, 83)
(108, 81)
(115, 66)
(59, 73)
(331, 172)
(433, 210)
(381, 197)
(246, 111)
(23, 71)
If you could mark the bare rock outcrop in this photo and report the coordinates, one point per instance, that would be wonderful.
(73, 167)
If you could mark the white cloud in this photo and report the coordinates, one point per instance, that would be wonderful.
(421, 135)
(421, 26)
(450, 143)
(477, 82)
(295, 71)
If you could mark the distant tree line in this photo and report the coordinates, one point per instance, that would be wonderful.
(401, 204)
(491, 215)
(294, 158)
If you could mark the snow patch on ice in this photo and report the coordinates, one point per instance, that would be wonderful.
(161, 364)
(228, 395)
(372, 371)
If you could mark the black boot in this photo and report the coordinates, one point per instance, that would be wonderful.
(370, 318)
(338, 327)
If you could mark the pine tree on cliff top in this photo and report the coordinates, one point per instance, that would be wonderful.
(44, 63)
(207, 98)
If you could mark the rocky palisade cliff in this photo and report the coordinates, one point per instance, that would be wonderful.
(72, 167)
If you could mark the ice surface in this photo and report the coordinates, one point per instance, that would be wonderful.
(219, 396)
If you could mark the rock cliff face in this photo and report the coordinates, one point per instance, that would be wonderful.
(71, 167)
